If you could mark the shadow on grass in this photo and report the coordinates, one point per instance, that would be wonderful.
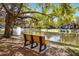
(72, 52)
(64, 44)
(69, 51)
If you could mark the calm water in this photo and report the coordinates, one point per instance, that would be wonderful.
(68, 38)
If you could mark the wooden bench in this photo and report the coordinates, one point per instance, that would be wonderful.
(34, 40)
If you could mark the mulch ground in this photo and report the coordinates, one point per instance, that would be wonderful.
(14, 47)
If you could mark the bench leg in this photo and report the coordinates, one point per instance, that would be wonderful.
(33, 46)
(41, 49)
(25, 43)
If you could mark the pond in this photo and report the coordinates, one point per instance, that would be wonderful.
(67, 38)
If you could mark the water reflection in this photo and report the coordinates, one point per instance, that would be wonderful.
(55, 38)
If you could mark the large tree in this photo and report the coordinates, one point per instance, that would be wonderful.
(16, 11)
(12, 12)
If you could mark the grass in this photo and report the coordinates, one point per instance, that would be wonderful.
(72, 51)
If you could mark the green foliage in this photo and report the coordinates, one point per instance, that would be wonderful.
(63, 11)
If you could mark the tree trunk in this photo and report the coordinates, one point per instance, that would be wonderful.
(8, 23)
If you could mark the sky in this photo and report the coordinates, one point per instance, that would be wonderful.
(33, 5)
(76, 5)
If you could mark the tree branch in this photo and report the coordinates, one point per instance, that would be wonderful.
(19, 9)
(7, 9)
(23, 17)
(35, 12)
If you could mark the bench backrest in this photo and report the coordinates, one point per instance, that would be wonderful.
(36, 39)
(27, 37)
(43, 40)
